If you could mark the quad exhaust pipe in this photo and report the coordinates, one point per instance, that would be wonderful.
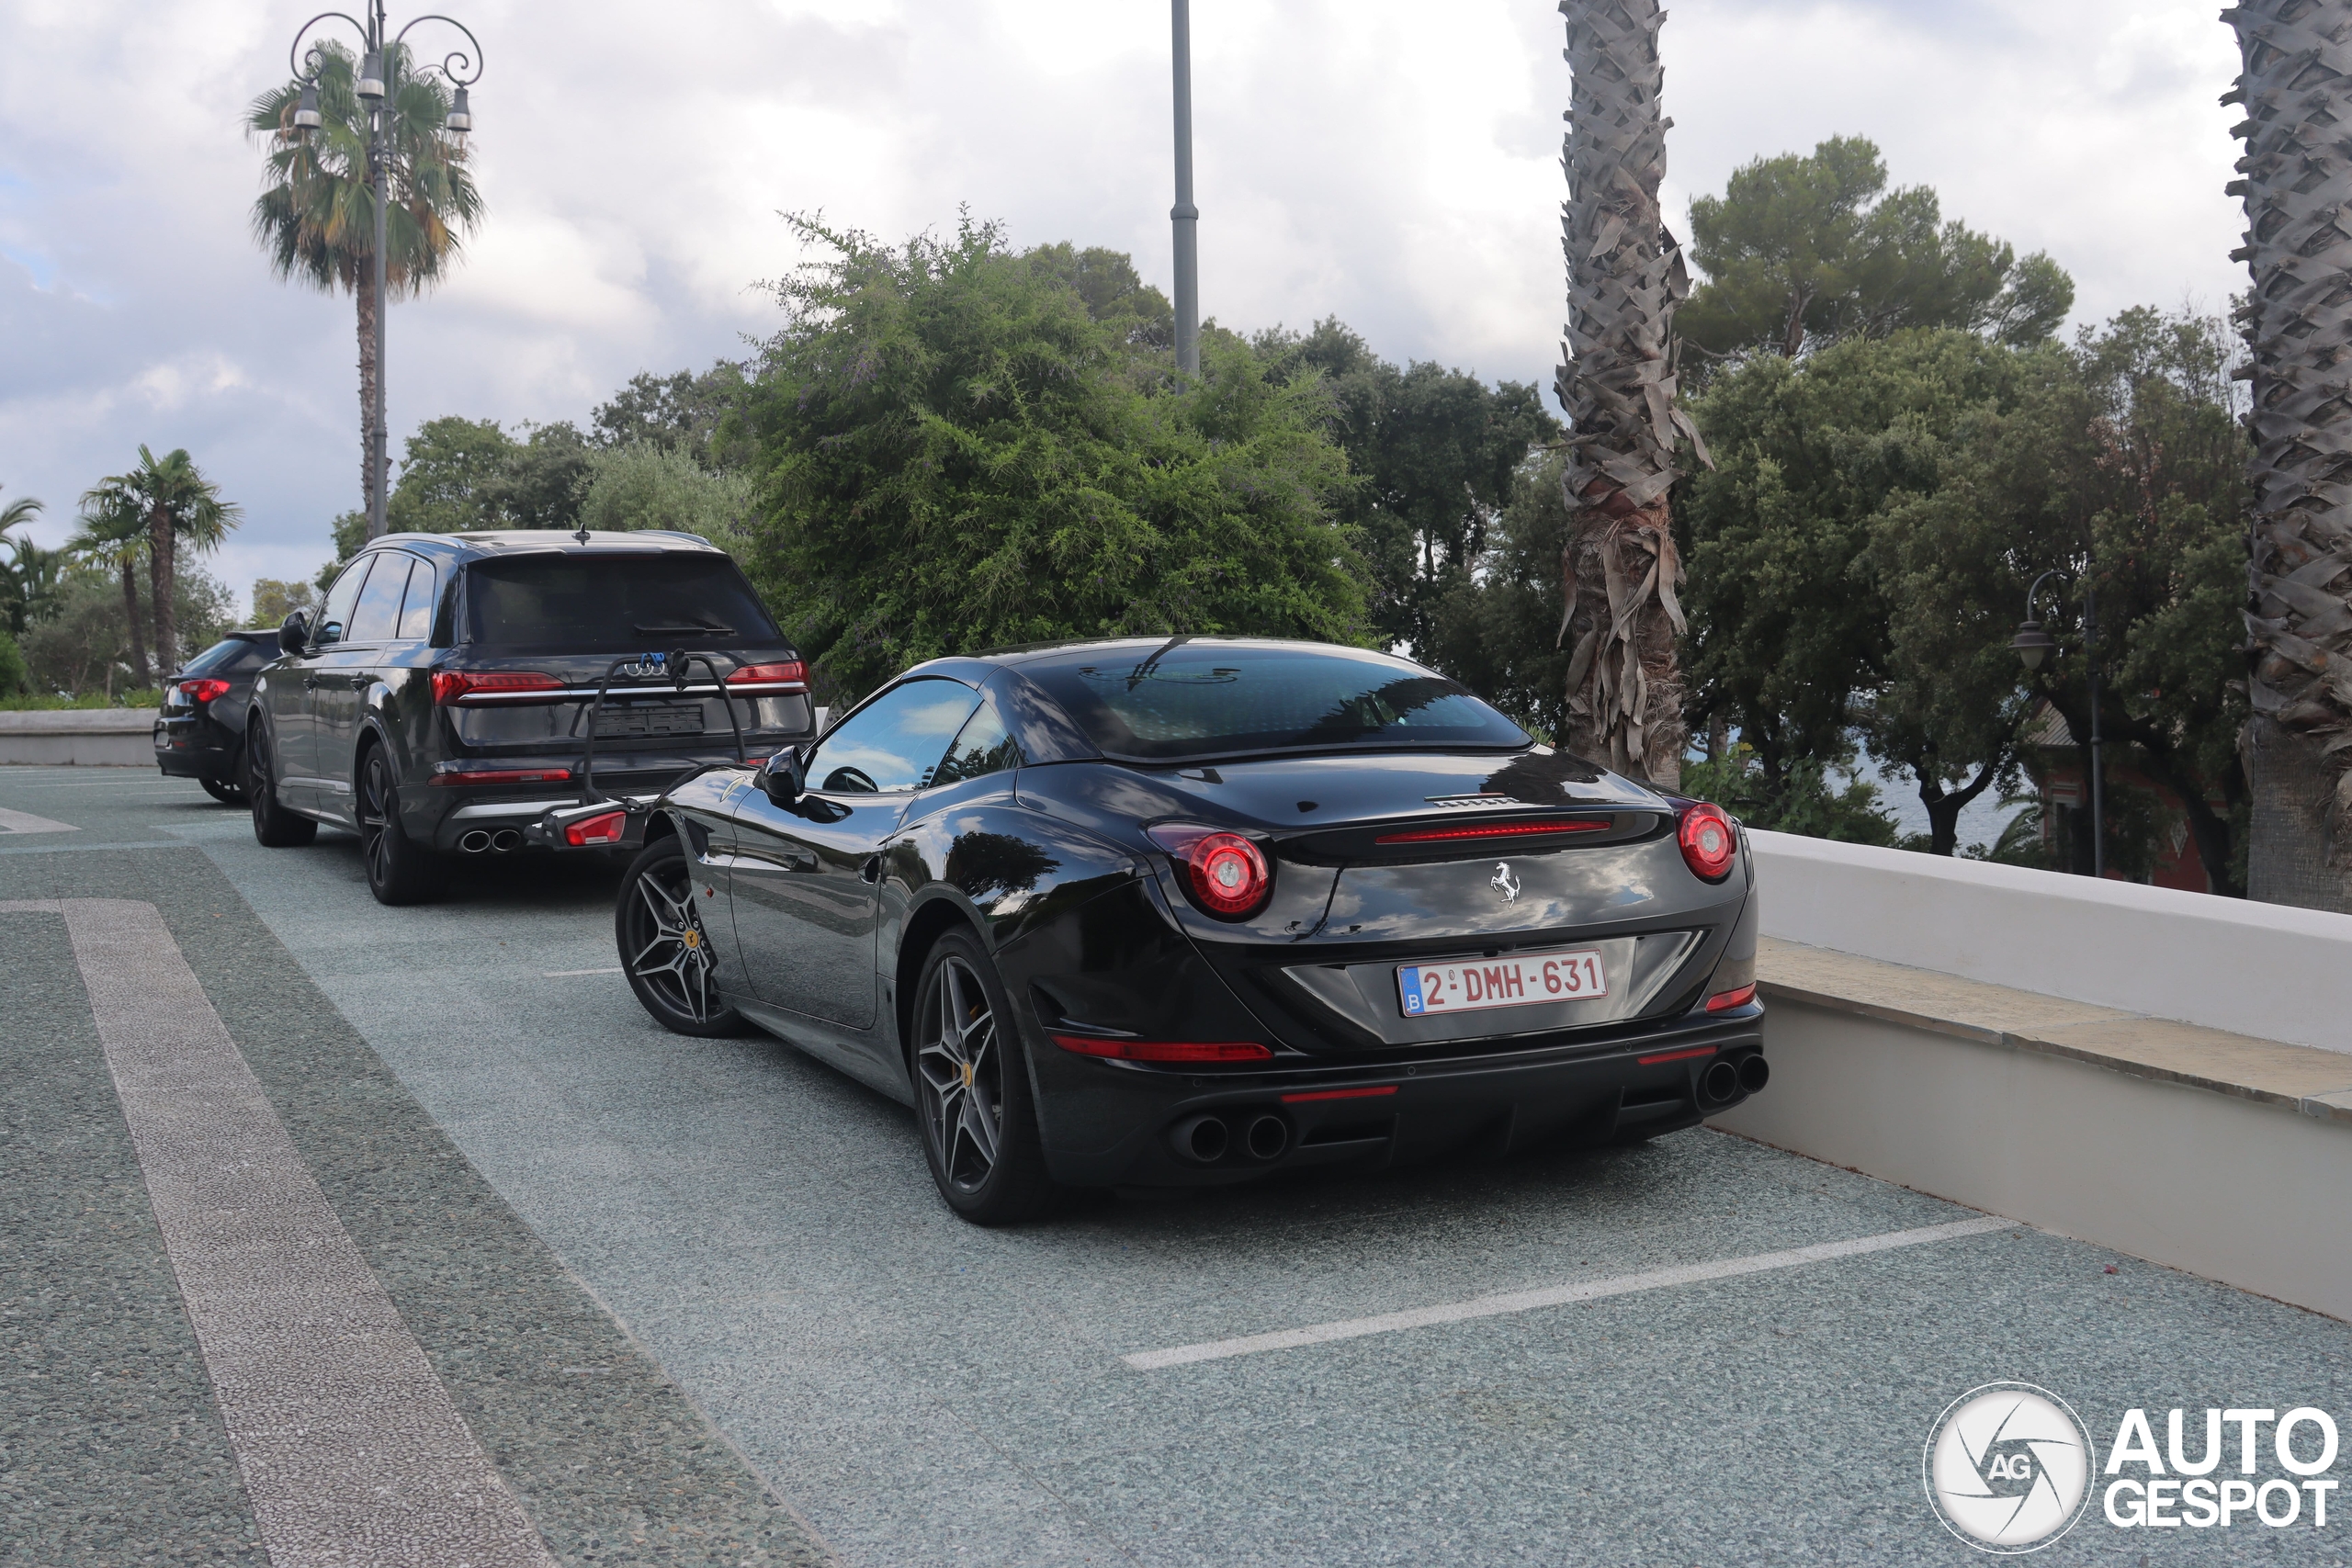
(1205, 1140)
(502, 842)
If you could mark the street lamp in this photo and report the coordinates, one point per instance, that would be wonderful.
(378, 42)
(2034, 644)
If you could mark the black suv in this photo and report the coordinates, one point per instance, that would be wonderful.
(440, 698)
(200, 729)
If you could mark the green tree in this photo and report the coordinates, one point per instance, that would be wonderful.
(275, 600)
(1433, 452)
(953, 453)
(1807, 248)
(1789, 622)
(113, 536)
(180, 506)
(640, 485)
(82, 644)
(21, 511)
(681, 412)
(316, 214)
(449, 470)
(31, 581)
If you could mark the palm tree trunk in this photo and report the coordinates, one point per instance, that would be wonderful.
(1617, 383)
(2297, 88)
(130, 617)
(368, 370)
(160, 540)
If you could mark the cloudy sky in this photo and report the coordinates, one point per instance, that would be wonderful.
(1393, 161)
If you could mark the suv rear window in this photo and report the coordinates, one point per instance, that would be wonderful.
(1188, 699)
(229, 656)
(612, 603)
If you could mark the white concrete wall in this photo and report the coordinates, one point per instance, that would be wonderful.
(2246, 1194)
(122, 736)
(2259, 969)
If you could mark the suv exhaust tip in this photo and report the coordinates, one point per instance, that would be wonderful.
(473, 843)
(505, 839)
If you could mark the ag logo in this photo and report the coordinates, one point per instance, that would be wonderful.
(1503, 882)
(2007, 1467)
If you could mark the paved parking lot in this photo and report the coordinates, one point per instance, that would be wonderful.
(918, 1391)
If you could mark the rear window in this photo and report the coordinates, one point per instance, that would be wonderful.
(613, 603)
(1189, 699)
(229, 656)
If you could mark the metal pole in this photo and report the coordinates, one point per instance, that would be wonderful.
(380, 153)
(1186, 215)
(2098, 786)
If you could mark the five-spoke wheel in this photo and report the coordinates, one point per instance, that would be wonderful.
(972, 1089)
(664, 947)
(399, 870)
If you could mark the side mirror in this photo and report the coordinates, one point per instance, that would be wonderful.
(295, 635)
(782, 776)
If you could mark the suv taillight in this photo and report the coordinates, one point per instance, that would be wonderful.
(451, 685)
(1707, 838)
(792, 676)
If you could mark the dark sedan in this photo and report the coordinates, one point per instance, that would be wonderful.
(1197, 910)
(200, 729)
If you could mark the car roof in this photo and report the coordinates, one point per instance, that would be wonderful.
(487, 542)
(1043, 652)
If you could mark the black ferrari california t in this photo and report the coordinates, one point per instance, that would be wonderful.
(1159, 912)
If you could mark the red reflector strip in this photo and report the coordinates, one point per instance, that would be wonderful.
(507, 776)
(1494, 831)
(604, 828)
(1340, 1094)
(1676, 1055)
(1165, 1050)
(1724, 1002)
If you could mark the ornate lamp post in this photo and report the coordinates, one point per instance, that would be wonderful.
(373, 86)
(2033, 644)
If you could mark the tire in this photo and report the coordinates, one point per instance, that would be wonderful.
(399, 870)
(221, 790)
(972, 1092)
(664, 950)
(273, 827)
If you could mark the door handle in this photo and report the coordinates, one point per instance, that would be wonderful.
(872, 870)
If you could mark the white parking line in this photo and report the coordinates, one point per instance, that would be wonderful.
(568, 973)
(1555, 1295)
(26, 822)
(351, 1449)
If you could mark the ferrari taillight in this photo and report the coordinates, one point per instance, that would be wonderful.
(1708, 839)
(1225, 873)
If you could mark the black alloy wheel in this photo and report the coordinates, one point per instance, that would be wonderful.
(980, 1126)
(273, 827)
(664, 947)
(400, 870)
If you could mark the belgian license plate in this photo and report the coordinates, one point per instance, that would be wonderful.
(652, 718)
(1515, 980)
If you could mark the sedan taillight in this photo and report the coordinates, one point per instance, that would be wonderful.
(1707, 838)
(452, 686)
(1226, 875)
(203, 691)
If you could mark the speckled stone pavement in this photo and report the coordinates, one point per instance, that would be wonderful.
(528, 1165)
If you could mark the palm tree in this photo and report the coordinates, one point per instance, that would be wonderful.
(2298, 322)
(317, 214)
(1617, 383)
(24, 509)
(175, 502)
(114, 533)
(33, 577)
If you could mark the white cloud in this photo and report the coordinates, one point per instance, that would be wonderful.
(1386, 161)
